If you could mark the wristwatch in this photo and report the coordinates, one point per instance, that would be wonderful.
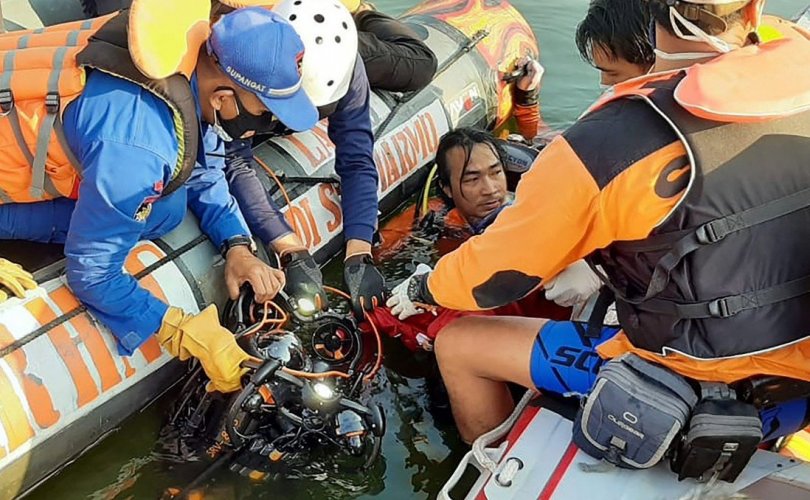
(238, 241)
(418, 290)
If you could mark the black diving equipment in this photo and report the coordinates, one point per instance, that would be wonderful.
(306, 391)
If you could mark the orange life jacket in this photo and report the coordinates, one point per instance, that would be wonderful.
(776, 28)
(43, 70)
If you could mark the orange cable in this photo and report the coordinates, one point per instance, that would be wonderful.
(378, 361)
(275, 178)
(338, 292)
(300, 374)
(281, 188)
(266, 320)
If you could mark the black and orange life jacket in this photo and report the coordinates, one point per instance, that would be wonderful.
(727, 272)
(43, 70)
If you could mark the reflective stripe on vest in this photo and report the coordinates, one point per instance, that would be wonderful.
(8, 109)
(45, 130)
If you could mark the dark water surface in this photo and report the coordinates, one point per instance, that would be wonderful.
(420, 448)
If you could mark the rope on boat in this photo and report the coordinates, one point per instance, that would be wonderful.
(407, 97)
(484, 440)
(17, 344)
(483, 458)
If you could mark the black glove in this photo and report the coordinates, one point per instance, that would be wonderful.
(365, 283)
(527, 97)
(304, 280)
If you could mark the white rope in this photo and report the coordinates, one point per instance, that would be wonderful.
(484, 440)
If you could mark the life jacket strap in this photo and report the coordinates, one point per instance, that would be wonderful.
(52, 103)
(716, 230)
(732, 305)
(9, 111)
(597, 318)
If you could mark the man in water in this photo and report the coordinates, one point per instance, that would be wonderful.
(472, 179)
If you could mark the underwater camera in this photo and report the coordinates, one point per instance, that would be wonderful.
(305, 392)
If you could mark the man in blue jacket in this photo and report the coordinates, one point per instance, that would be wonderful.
(335, 80)
(124, 138)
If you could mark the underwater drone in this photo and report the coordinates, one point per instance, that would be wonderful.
(306, 390)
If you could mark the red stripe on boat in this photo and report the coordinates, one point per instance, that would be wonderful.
(559, 472)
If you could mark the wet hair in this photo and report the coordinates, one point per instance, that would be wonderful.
(620, 28)
(659, 12)
(466, 139)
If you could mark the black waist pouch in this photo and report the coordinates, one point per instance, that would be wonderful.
(634, 413)
(722, 437)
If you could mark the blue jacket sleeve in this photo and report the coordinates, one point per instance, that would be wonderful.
(102, 232)
(264, 219)
(44, 222)
(350, 130)
(209, 197)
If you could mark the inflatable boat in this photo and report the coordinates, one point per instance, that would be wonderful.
(534, 458)
(63, 386)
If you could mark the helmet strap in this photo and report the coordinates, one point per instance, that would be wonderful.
(695, 34)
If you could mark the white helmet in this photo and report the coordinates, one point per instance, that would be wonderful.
(330, 39)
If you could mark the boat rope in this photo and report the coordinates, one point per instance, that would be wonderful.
(484, 440)
(477, 37)
(19, 343)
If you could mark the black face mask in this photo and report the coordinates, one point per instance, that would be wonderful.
(246, 122)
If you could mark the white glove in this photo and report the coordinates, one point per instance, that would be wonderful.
(400, 303)
(534, 73)
(573, 285)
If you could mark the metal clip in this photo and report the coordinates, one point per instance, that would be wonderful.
(52, 102)
(6, 102)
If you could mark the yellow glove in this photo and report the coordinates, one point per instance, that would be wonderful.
(201, 336)
(15, 279)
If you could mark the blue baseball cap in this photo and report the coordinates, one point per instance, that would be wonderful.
(262, 53)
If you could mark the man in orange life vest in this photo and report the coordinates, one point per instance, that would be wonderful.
(136, 181)
(688, 188)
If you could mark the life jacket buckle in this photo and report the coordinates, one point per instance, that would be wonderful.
(716, 390)
(725, 307)
(52, 103)
(690, 12)
(707, 234)
(6, 102)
